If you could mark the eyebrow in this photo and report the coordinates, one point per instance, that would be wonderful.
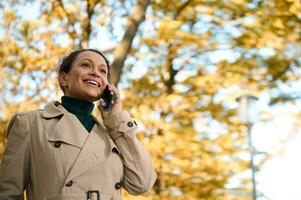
(88, 59)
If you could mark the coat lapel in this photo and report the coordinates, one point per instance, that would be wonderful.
(68, 129)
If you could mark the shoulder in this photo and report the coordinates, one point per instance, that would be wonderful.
(29, 115)
(22, 120)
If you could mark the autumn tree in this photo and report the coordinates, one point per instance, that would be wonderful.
(202, 55)
(180, 72)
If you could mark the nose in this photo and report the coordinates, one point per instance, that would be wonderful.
(95, 72)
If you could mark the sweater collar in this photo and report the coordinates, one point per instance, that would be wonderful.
(77, 106)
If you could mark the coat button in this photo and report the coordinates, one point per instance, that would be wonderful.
(57, 144)
(69, 183)
(130, 124)
(118, 186)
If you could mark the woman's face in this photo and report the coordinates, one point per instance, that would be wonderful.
(87, 78)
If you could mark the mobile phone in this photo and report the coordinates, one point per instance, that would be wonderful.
(107, 99)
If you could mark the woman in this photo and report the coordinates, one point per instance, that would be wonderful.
(63, 152)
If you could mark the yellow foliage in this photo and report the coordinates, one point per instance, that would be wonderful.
(198, 163)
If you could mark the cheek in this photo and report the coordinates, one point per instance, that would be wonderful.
(77, 78)
(74, 83)
(104, 80)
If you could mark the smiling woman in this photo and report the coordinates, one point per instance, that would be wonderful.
(84, 74)
(64, 152)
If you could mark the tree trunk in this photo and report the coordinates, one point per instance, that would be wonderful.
(121, 51)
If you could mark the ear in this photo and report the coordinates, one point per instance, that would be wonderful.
(63, 81)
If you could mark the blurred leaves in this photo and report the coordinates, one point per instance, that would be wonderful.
(189, 61)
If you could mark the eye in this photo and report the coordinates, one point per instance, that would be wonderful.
(103, 71)
(85, 65)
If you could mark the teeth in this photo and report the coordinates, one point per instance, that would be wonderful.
(92, 82)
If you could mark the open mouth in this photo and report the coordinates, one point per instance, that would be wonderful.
(92, 82)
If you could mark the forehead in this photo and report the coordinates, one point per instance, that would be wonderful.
(91, 55)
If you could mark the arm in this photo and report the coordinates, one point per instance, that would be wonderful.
(15, 166)
(139, 175)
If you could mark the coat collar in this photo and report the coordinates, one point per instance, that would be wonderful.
(64, 128)
(55, 109)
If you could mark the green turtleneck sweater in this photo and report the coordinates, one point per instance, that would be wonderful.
(81, 109)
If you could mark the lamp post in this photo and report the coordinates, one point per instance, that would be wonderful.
(248, 116)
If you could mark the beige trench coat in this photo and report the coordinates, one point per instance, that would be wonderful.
(51, 155)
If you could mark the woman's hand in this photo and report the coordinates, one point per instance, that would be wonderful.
(116, 107)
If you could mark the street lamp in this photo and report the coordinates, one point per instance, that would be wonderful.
(248, 115)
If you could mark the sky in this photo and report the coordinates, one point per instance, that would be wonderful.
(279, 179)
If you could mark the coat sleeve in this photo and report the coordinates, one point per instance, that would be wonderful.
(14, 172)
(139, 174)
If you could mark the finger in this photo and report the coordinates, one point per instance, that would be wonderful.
(102, 112)
(116, 92)
(100, 108)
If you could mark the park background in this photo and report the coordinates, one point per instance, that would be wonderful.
(180, 66)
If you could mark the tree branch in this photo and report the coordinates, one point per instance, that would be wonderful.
(134, 19)
(182, 7)
(172, 55)
(86, 24)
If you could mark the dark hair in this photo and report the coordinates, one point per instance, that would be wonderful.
(66, 63)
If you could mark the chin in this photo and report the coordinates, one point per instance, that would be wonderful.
(92, 97)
